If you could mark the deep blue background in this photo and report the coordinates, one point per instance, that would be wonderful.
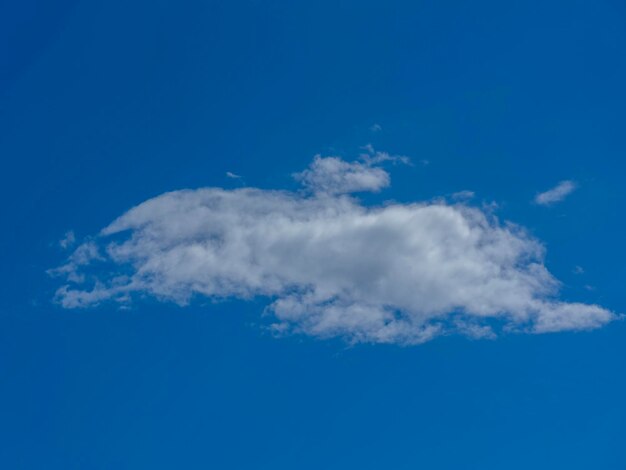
(105, 104)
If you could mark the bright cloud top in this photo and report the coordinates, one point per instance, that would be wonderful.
(556, 194)
(329, 266)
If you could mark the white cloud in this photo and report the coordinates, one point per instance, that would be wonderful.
(464, 195)
(556, 194)
(328, 265)
(68, 240)
(332, 175)
(81, 257)
(376, 128)
(232, 175)
(371, 157)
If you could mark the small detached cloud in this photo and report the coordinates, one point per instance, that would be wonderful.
(464, 195)
(333, 175)
(556, 194)
(68, 240)
(232, 175)
(328, 265)
(376, 127)
(371, 157)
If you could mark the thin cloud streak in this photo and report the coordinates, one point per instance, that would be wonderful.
(556, 194)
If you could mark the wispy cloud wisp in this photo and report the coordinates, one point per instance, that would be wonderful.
(556, 194)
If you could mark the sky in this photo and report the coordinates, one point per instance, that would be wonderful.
(312, 235)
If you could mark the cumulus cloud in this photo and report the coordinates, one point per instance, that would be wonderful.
(328, 265)
(556, 194)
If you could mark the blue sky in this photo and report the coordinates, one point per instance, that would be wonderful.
(106, 106)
